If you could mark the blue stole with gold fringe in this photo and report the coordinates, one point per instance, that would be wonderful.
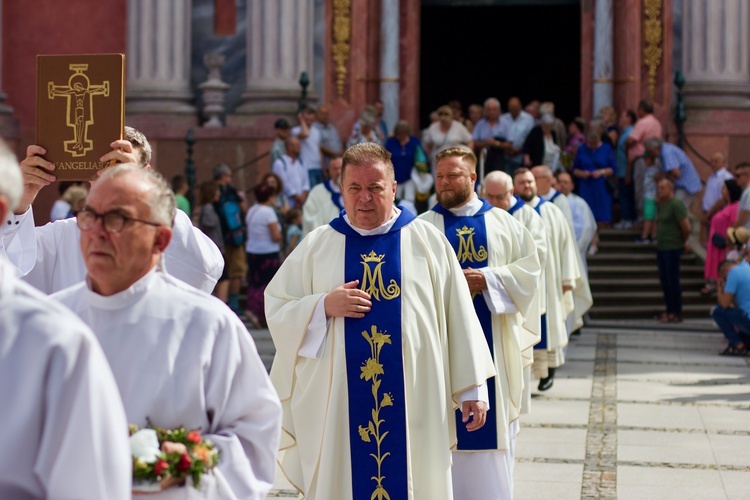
(542, 343)
(335, 197)
(468, 237)
(374, 364)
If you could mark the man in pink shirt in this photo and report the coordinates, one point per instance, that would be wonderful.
(646, 127)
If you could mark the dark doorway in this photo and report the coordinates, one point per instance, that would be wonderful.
(472, 53)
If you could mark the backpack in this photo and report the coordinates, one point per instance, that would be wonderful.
(231, 215)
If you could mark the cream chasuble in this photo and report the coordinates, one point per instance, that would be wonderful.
(50, 258)
(490, 238)
(443, 353)
(63, 432)
(561, 202)
(183, 358)
(562, 268)
(323, 204)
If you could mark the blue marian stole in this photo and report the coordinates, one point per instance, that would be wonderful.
(375, 365)
(468, 236)
(335, 197)
(542, 343)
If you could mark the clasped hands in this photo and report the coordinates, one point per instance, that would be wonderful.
(475, 279)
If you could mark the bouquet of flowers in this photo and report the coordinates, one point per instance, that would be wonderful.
(167, 457)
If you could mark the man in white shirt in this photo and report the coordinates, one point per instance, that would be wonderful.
(517, 124)
(291, 170)
(584, 223)
(712, 201)
(49, 256)
(64, 431)
(310, 140)
(742, 174)
(180, 356)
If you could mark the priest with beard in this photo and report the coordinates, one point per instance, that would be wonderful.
(49, 257)
(180, 357)
(561, 274)
(498, 190)
(63, 430)
(501, 266)
(377, 345)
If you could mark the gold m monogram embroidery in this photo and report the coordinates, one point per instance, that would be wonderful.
(466, 250)
(372, 279)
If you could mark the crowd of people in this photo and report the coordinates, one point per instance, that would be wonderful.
(413, 287)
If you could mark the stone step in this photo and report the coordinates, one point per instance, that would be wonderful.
(640, 271)
(646, 311)
(618, 235)
(634, 257)
(650, 297)
(625, 246)
(642, 285)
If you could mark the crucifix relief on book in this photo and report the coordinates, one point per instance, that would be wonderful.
(80, 110)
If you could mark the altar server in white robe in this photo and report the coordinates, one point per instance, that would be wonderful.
(63, 432)
(180, 356)
(584, 222)
(582, 299)
(377, 344)
(561, 273)
(49, 256)
(498, 190)
(323, 203)
(501, 266)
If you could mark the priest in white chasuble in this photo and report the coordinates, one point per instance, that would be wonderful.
(377, 344)
(180, 357)
(562, 274)
(63, 431)
(501, 266)
(498, 190)
(49, 256)
(323, 202)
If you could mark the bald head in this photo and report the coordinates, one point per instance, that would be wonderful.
(498, 189)
(543, 176)
(564, 183)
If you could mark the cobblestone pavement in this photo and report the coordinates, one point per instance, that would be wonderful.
(634, 414)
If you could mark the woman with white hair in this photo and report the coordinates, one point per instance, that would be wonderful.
(364, 131)
(540, 147)
(445, 133)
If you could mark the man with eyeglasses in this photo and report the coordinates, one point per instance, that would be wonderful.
(179, 356)
(48, 256)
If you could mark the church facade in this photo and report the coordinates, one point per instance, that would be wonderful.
(237, 64)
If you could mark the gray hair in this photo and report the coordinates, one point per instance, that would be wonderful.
(501, 178)
(492, 100)
(221, 170)
(594, 133)
(11, 181)
(547, 118)
(653, 143)
(140, 144)
(161, 202)
(367, 119)
(547, 108)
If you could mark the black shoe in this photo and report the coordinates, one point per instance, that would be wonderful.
(577, 333)
(546, 383)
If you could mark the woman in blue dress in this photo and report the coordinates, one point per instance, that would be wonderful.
(594, 163)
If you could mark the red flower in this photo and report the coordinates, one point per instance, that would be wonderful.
(184, 464)
(160, 467)
(194, 437)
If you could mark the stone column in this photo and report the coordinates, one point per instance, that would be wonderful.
(716, 53)
(389, 61)
(158, 57)
(603, 54)
(279, 47)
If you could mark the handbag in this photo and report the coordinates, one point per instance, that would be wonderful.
(718, 241)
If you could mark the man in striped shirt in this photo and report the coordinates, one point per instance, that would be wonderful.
(677, 167)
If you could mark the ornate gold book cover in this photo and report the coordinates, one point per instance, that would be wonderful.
(80, 110)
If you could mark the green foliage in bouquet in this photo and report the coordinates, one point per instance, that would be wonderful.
(178, 455)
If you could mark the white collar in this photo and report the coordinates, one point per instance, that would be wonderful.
(513, 202)
(534, 201)
(382, 229)
(469, 208)
(334, 186)
(123, 299)
(549, 194)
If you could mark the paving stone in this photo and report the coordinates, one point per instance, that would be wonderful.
(659, 446)
(637, 483)
(643, 415)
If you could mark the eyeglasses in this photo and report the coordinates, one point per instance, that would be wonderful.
(444, 114)
(113, 221)
(495, 196)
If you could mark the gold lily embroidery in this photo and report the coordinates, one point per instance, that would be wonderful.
(466, 249)
(372, 279)
(372, 370)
